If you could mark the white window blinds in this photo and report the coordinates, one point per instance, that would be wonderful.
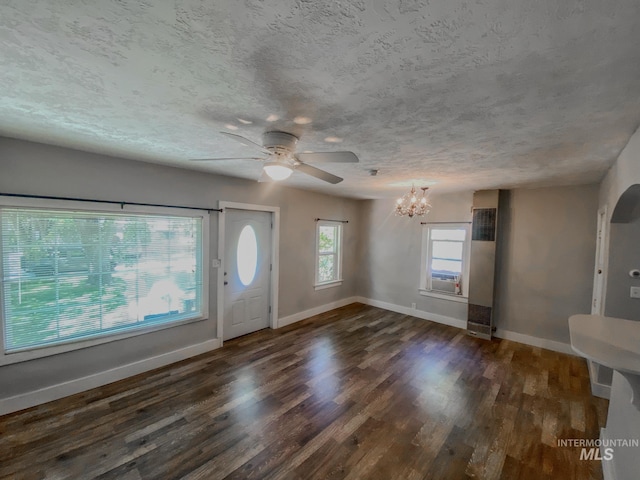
(70, 275)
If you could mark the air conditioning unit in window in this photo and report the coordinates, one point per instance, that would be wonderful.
(444, 282)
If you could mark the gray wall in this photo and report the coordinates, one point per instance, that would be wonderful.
(544, 273)
(30, 168)
(545, 259)
(623, 419)
(624, 255)
(391, 248)
(623, 174)
(623, 239)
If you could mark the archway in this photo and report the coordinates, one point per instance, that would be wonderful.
(624, 256)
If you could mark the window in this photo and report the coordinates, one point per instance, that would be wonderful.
(328, 254)
(445, 255)
(74, 275)
(247, 255)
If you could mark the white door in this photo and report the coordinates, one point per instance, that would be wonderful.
(247, 272)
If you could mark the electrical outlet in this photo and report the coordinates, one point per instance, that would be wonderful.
(413, 305)
(635, 292)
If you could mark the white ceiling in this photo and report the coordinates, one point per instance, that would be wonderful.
(466, 94)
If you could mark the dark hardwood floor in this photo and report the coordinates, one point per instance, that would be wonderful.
(355, 393)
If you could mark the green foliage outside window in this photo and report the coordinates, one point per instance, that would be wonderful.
(327, 239)
(327, 253)
(68, 274)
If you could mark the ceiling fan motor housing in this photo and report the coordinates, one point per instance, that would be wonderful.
(279, 142)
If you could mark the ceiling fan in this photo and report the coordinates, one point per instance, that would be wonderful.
(278, 149)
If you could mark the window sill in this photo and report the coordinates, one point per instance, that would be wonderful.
(322, 286)
(42, 351)
(444, 296)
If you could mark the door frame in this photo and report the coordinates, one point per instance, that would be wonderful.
(600, 279)
(275, 263)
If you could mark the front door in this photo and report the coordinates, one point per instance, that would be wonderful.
(247, 272)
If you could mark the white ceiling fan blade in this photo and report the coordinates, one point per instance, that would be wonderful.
(246, 141)
(316, 172)
(218, 159)
(328, 157)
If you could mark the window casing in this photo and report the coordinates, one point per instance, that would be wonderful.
(75, 276)
(445, 261)
(328, 254)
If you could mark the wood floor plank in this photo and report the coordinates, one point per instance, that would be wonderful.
(354, 393)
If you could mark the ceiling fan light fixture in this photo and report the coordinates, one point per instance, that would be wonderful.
(277, 170)
(278, 149)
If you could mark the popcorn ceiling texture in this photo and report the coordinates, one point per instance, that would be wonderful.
(469, 94)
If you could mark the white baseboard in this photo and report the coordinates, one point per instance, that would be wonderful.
(434, 317)
(296, 317)
(455, 322)
(600, 390)
(54, 392)
(535, 341)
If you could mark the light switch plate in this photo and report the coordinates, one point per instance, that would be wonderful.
(635, 292)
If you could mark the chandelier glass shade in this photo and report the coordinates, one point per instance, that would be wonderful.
(413, 204)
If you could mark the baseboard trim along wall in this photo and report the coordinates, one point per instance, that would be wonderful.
(54, 392)
(455, 322)
(296, 317)
(535, 341)
(452, 322)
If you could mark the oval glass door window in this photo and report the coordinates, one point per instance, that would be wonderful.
(247, 255)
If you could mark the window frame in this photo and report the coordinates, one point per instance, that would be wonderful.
(337, 280)
(426, 256)
(68, 345)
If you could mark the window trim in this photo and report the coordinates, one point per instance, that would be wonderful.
(40, 351)
(425, 270)
(337, 281)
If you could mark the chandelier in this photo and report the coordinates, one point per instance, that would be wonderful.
(411, 204)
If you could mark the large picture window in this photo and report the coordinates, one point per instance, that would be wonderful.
(70, 275)
(328, 254)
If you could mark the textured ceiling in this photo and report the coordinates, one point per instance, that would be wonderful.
(464, 94)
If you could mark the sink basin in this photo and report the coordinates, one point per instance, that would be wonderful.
(612, 342)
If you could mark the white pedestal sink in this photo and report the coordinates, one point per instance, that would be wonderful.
(612, 342)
